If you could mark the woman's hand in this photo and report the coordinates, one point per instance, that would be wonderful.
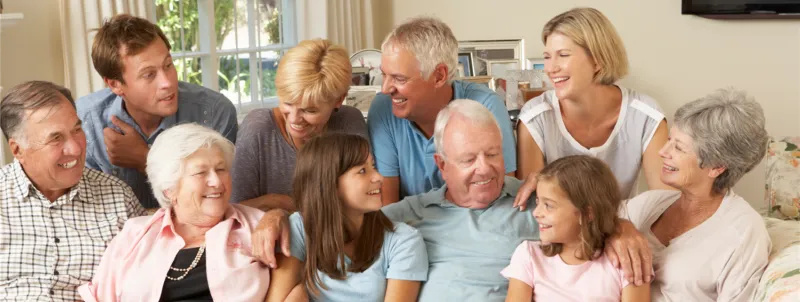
(525, 191)
(273, 227)
(630, 250)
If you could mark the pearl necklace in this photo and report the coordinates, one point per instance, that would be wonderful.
(186, 270)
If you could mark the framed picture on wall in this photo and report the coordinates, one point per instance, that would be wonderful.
(465, 59)
(484, 51)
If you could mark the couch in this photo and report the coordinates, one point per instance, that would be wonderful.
(781, 279)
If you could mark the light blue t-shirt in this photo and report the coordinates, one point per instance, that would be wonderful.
(196, 104)
(403, 257)
(467, 248)
(402, 150)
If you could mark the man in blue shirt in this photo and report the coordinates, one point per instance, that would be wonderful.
(143, 99)
(419, 62)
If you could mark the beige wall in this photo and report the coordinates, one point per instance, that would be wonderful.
(31, 49)
(674, 58)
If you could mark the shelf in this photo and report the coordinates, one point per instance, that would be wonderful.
(10, 19)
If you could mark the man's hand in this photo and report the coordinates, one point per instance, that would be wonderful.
(273, 227)
(126, 149)
(630, 250)
(525, 191)
(271, 201)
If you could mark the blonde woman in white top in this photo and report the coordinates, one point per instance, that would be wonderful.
(587, 113)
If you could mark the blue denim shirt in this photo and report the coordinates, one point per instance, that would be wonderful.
(196, 104)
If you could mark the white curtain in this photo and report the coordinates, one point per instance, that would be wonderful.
(79, 20)
(345, 22)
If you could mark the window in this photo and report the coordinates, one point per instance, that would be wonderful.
(232, 46)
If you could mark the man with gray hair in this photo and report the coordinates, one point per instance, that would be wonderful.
(419, 62)
(57, 216)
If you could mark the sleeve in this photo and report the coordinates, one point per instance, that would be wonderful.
(408, 257)
(401, 211)
(297, 233)
(132, 205)
(495, 105)
(354, 122)
(742, 272)
(639, 208)
(379, 121)
(531, 116)
(652, 117)
(104, 285)
(225, 119)
(92, 142)
(247, 154)
(521, 266)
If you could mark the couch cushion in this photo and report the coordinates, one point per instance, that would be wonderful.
(783, 178)
(781, 279)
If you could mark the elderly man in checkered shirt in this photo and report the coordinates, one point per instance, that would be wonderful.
(56, 216)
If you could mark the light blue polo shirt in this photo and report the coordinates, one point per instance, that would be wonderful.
(402, 257)
(467, 248)
(402, 150)
(196, 104)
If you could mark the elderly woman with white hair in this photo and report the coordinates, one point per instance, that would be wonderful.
(708, 243)
(197, 246)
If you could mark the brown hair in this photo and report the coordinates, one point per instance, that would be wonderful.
(592, 188)
(30, 95)
(126, 33)
(592, 31)
(313, 72)
(315, 189)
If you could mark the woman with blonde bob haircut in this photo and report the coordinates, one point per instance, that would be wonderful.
(586, 112)
(312, 82)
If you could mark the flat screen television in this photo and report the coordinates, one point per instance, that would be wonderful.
(742, 8)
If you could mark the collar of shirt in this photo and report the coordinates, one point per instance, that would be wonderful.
(167, 223)
(25, 188)
(440, 200)
(117, 109)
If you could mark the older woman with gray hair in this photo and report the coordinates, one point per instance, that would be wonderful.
(708, 243)
(197, 246)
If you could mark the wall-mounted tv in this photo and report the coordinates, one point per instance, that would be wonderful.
(725, 9)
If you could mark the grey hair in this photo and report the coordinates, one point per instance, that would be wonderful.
(32, 95)
(471, 110)
(167, 156)
(727, 127)
(430, 40)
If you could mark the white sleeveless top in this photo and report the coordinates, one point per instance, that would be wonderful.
(638, 120)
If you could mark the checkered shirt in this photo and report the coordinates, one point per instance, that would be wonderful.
(49, 249)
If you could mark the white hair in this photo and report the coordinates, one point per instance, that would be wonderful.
(430, 40)
(473, 111)
(728, 131)
(167, 157)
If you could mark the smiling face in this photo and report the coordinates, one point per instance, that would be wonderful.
(558, 218)
(151, 81)
(304, 121)
(402, 80)
(54, 149)
(681, 167)
(569, 66)
(472, 164)
(203, 191)
(360, 188)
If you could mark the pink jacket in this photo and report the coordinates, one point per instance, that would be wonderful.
(135, 264)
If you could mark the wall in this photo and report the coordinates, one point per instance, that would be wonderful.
(31, 49)
(674, 58)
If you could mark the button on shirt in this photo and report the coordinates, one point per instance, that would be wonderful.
(467, 248)
(402, 150)
(196, 104)
(48, 249)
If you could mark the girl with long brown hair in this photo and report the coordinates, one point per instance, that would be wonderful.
(577, 198)
(343, 247)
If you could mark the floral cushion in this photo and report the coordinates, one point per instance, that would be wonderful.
(783, 178)
(781, 279)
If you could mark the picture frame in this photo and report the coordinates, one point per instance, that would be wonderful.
(465, 59)
(361, 97)
(493, 50)
(498, 68)
(485, 80)
(535, 63)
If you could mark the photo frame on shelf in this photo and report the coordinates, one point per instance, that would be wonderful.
(465, 59)
(361, 97)
(485, 80)
(484, 51)
(498, 68)
(535, 63)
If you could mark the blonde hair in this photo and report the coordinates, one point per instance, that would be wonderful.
(592, 31)
(315, 71)
(430, 40)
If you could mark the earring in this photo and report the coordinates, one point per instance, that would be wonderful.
(336, 109)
